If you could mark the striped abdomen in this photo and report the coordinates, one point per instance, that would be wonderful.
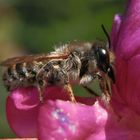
(21, 75)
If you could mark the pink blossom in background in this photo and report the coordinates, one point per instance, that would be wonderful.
(59, 119)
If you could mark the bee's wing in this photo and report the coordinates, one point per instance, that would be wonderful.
(30, 58)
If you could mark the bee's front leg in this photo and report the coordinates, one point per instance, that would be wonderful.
(106, 88)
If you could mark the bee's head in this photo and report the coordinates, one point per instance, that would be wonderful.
(102, 57)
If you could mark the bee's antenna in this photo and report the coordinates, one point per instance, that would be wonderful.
(107, 35)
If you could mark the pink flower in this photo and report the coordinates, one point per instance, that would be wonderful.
(61, 119)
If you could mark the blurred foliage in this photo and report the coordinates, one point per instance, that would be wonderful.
(31, 26)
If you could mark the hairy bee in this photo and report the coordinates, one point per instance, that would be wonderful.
(79, 62)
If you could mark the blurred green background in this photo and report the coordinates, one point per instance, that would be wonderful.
(32, 26)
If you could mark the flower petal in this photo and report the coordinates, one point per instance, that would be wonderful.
(22, 111)
(128, 37)
(54, 92)
(65, 120)
(115, 29)
(127, 51)
(124, 127)
(132, 95)
(23, 105)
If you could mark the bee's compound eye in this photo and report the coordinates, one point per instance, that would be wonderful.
(102, 57)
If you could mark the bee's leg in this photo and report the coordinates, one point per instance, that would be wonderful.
(41, 93)
(90, 91)
(41, 89)
(41, 77)
(105, 87)
(41, 84)
(53, 74)
(85, 80)
(108, 85)
(69, 90)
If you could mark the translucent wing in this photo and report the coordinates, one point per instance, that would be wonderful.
(30, 58)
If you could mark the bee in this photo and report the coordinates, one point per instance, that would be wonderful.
(79, 62)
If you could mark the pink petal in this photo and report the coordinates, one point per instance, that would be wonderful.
(125, 120)
(115, 29)
(53, 93)
(127, 50)
(65, 120)
(23, 105)
(22, 111)
(128, 37)
(123, 126)
(133, 85)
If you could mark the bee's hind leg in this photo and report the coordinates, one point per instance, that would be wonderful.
(70, 93)
(41, 84)
(41, 90)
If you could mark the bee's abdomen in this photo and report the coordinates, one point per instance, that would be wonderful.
(21, 70)
(20, 75)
